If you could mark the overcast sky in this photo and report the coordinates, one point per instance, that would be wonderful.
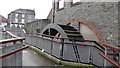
(42, 7)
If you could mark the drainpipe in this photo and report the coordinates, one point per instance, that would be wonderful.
(53, 11)
(79, 26)
(53, 14)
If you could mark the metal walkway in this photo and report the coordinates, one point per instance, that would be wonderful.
(31, 58)
(64, 49)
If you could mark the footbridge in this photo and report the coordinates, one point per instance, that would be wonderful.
(11, 49)
(62, 44)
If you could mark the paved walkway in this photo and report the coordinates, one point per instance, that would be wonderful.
(31, 58)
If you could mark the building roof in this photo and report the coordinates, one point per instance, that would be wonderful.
(50, 15)
(3, 19)
(1, 16)
(24, 11)
(37, 20)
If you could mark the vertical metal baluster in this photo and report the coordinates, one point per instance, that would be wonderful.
(61, 51)
(105, 62)
(51, 47)
(31, 39)
(119, 57)
(90, 54)
(14, 58)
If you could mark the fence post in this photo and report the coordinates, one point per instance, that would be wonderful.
(62, 48)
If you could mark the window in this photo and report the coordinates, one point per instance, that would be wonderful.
(23, 20)
(15, 25)
(10, 25)
(23, 15)
(61, 4)
(75, 1)
(30, 17)
(16, 15)
(16, 20)
(20, 26)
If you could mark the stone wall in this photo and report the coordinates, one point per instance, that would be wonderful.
(103, 15)
(36, 26)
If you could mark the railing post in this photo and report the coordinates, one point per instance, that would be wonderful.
(5, 35)
(31, 39)
(14, 43)
(36, 40)
(51, 47)
(79, 26)
(90, 54)
(13, 58)
(20, 54)
(1, 59)
(62, 48)
(21, 42)
(119, 58)
(105, 62)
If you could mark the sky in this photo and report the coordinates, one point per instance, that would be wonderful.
(42, 7)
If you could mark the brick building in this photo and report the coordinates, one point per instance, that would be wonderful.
(3, 21)
(19, 17)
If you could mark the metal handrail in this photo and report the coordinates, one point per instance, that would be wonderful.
(110, 60)
(11, 40)
(13, 52)
(102, 45)
(42, 36)
(14, 36)
(14, 39)
(102, 50)
(66, 38)
(111, 47)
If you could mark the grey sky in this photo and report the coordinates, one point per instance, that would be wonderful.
(42, 7)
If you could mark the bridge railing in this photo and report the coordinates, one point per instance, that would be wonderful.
(16, 31)
(10, 49)
(112, 55)
(85, 51)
